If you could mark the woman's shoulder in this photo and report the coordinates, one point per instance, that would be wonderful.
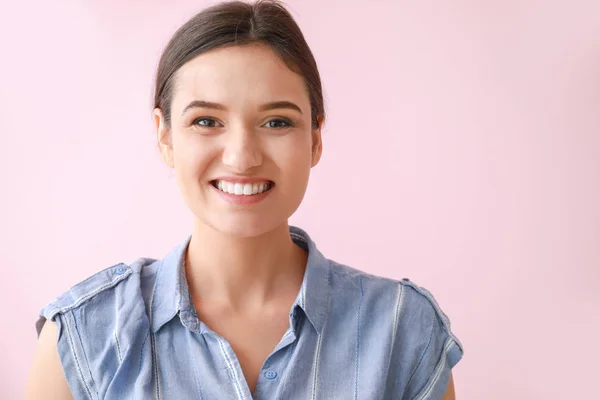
(404, 315)
(408, 296)
(100, 321)
(99, 293)
(401, 296)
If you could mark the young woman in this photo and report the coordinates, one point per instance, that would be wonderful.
(246, 307)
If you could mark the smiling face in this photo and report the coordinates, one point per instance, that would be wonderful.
(240, 139)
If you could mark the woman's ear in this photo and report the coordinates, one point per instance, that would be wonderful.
(163, 137)
(317, 143)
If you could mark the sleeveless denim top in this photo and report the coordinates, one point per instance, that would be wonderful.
(131, 332)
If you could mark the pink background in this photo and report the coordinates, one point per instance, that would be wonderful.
(462, 151)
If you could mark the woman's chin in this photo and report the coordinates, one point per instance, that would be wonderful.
(245, 226)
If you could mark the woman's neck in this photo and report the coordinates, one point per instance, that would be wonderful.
(243, 274)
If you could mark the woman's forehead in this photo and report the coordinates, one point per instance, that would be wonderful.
(249, 72)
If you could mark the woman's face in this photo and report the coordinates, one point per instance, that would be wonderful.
(240, 141)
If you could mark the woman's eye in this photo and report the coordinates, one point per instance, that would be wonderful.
(206, 122)
(278, 123)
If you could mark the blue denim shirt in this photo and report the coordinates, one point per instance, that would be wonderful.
(131, 332)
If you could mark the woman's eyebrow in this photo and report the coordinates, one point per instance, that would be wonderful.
(265, 107)
(280, 104)
(203, 104)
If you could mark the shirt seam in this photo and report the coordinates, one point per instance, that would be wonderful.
(231, 368)
(155, 365)
(398, 312)
(438, 311)
(437, 372)
(76, 358)
(78, 302)
(422, 354)
(87, 362)
(356, 376)
(118, 346)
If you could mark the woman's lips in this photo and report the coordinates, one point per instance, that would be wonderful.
(243, 193)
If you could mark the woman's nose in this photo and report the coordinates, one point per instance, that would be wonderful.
(242, 151)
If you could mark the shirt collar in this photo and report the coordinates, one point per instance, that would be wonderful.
(171, 294)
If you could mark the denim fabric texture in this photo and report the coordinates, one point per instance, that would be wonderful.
(131, 332)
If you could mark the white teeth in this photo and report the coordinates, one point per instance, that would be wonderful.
(242, 189)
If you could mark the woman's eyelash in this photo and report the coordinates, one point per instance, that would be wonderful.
(196, 122)
(287, 122)
(212, 122)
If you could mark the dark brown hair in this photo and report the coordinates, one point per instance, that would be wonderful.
(238, 23)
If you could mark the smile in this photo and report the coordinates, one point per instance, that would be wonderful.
(242, 189)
